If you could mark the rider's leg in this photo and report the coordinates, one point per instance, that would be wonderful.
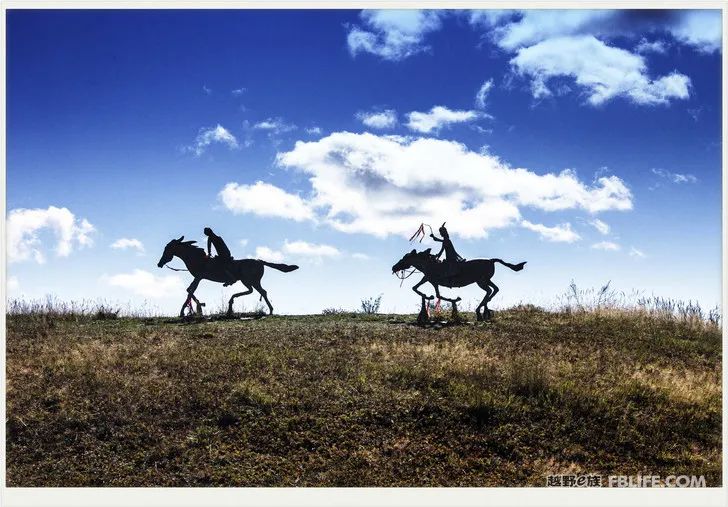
(231, 277)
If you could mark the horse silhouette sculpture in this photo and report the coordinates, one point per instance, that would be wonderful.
(478, 271)
(202, 267)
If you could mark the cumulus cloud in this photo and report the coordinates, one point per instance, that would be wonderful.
(511, 30)
(675, 177)
(266, 200)
(701, 29)
(606, 245)
(128, 243)
(378, 119)
(310, 249)
(602, 72)
(393, 34)
(208, 136)
(382, 185)
(268, 254)
(600, 226)
(482, 95)
(437, 118)
(25, 225)
(561, 233)
(143, 283)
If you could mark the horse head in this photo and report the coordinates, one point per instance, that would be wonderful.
(169, 251)
(410, 259)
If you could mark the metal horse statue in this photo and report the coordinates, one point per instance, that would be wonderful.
(202, 267)
(478, 271)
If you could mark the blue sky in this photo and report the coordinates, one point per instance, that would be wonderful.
(587, 143)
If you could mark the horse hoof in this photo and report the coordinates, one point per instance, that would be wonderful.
(458, 299)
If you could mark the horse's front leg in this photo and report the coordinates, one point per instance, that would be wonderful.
(449, 300)
(191, 296)
(422, 294)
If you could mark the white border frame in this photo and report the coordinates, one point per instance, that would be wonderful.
(383, 497)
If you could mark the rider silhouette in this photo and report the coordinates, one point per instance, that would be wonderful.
(451, 256)
(223, 252)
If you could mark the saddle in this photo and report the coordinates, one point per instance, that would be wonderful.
(447, 270)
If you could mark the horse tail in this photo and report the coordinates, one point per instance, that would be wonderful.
(286, 268)
(514, 267)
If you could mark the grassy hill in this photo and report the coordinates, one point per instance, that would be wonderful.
(357, 400)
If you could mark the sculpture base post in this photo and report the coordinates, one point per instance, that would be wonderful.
(423, 317)
(455, 315)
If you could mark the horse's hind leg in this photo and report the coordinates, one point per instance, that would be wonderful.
(263, 293)
(490, 296)
(484, 303)
(238, 294)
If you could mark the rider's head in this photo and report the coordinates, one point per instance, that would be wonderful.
(207, 231)
(443, 231)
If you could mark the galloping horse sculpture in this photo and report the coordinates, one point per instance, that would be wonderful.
(478, 271)
(202, 267)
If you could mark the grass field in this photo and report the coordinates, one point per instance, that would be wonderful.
(359, 400)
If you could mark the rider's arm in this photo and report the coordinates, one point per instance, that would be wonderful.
(436, 238)
(209, 246)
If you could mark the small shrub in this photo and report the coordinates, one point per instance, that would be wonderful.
(370, 306)
(333, 311)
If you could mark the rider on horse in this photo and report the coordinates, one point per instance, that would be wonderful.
(223, 253)
(452, 258)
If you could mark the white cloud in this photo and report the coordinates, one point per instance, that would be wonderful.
(602, 72)
(602, 227)
(633, 252)
(437, 118)
(243, 242)
(512, 30)
(675, 177)
(645, 46)
(360, 256)
(274, 126)
(558, 233)
(268, 254)
(378, 119)
(266, 200)
(310, 249)
(701, 29)
(381, 185)
(606, 245)
(314, 131)
(482, 95)
(128, 243)
(24, 226)
(393, 34)
(207, 136)
(238, 91)
(143, 283)
(535, 26)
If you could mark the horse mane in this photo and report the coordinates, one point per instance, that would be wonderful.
(192, 248)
